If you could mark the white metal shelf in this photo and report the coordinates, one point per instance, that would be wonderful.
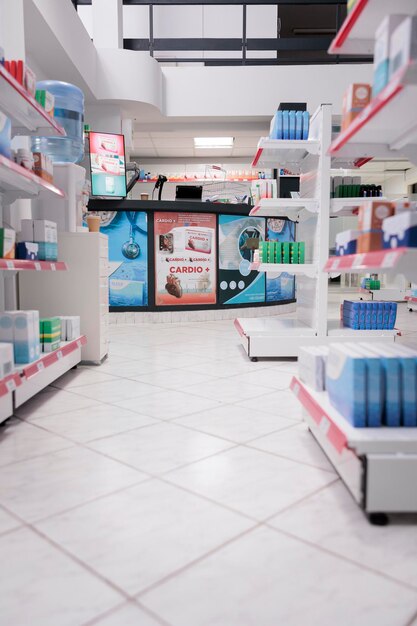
(336, 330)
(399, 260)
(357, 34)
(378, 465)
(386, 128)
(282, 152)
(18, 182)
(284, 207)
(306, 269)
(19, 265)
(25, 112)
(346, 206)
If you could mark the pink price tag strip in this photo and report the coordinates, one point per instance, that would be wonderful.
(53, 267)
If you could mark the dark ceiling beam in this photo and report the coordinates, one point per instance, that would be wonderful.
(224, 2)
(190, 44)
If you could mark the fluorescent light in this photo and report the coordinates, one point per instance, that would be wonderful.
(213, 142)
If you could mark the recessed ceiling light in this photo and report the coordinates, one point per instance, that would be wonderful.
(213, 142)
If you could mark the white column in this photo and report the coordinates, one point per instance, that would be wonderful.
(12, 29)
(108, 23)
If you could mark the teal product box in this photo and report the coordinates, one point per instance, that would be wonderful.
(306, 124)
(292, 124)
(382, 51)
(374, 387)
(298, 124)
(25, 336)
(408, 365)
(285, 124)
(346, 383)
(47, 251)
(5, 136)
(392, 383)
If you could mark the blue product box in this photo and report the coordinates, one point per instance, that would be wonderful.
(368, 315)
(298, 124)
(5, 136)
(292, 124)
(285, 124)
(346, 383)
(362, 316)
(391, 381)
(374, 387)
(408, 365)
(27, 250)
(392, 315)
(387, 311)
(374, 319)
(400, 230)
(47, 251)
(306, 124)
(346, 242)
(380, 316)
(276, 126)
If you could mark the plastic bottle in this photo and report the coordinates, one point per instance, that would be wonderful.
(69, 112)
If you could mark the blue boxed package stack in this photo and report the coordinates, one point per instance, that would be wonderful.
(373, 384)
(290, 125)
(369, 315)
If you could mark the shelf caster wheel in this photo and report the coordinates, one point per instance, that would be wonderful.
(75, 367)
(378, 519)
(254, 359)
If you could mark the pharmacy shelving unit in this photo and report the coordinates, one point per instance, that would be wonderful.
(378, 465)
(16, 182)
(277, 336)
(411, 303)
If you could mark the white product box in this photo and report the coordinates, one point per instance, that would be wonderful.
(25, 336)
(73, 327)
(26, 231)
(312, 366)
(6, 359)
(403, 45)
(36, 333)
(382, 51)
(45, 231)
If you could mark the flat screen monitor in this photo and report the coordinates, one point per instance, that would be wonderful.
(108, 165)
(190, 193)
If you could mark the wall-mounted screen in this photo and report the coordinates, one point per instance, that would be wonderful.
(108, 165)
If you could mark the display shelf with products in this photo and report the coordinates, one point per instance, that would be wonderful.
(50, 366)
(385, 128)
(25, 113)
(282, 152)
(399, 260)
(356, 36)
(307, 269)
(346, 207)
(285, 207)
(18, 182)
(378, 465)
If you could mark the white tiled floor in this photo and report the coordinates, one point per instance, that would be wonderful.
(177, 486)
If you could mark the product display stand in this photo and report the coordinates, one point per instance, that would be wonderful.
(275, 337)
(16, 182)
(378, 465)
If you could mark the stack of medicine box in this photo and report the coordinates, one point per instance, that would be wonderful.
(44, 234)
(369, 315)
(70, 327)
(21, 329)
(50, 332)
(371, 217)
(312, 366)
(290, 125)
(371, 284)
(282, 252)
(373, 384)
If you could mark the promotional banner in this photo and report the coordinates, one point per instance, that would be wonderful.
(185, 258)
(239, 237)
(128, 257)
(280, 285)
(108, 169)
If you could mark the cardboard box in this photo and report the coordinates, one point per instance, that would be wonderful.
(45, 231)
(356, 98)
(373, 213)
(369, 241)
(7, 243)
(27, 250)
(43, 166)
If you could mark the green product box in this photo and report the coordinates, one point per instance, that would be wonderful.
(286, 252)
(263, 252)
(301, 251)
(50, 330)
(278, 252)
(293, 252)
(271, 251)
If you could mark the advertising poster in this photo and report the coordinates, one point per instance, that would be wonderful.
(280, 286)
(108, 169)
(239, 236)
(128, 257)
(185, 259)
